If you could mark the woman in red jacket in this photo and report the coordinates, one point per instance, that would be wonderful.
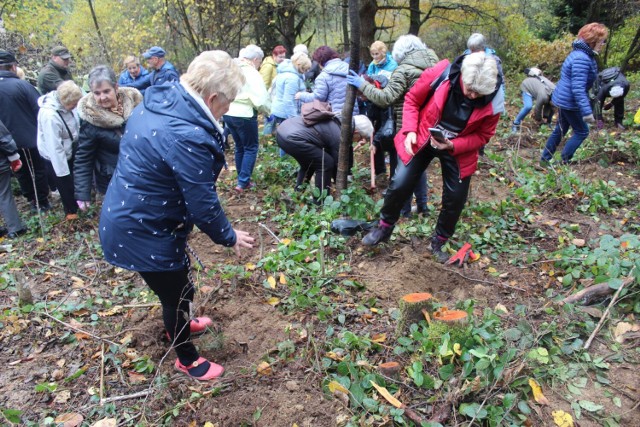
(465, 106)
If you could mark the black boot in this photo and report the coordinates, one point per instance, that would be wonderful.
(381, 233)
(437, 243)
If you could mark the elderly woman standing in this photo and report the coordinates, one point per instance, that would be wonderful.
(104, 113)
(268, 68)
(289, 81)
(242, 117)
(414, 57)
(466, 108)
(331, 84)
(133, 72)
(165, 183)
(578, 73)
(383, 64)
(58, 129)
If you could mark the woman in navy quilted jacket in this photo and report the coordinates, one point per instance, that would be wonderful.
(165, 183)
(578, 73)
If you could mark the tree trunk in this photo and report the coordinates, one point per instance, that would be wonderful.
(345, 24)
(102, 40)
(368, 11)
(414, 17)
(347, 109)
(634, 49)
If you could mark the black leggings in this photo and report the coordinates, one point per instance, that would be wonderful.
(454, 189)
(176, 291)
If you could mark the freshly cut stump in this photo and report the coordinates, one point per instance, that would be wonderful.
(452, 317)
(389, 369)
(411, 306)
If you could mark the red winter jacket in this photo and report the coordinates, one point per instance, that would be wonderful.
(479, 130)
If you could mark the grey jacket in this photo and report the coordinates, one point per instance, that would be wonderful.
(540, 88)
(8, 149)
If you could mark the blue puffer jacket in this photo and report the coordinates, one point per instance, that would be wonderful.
(578, 73)
(165, 182)
(331, 86)
(386, 69)
(288, 82)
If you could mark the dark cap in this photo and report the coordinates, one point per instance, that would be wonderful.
(156, 51)
(61, 51)
(7, 58)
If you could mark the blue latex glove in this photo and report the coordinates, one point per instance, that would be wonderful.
(354, 79)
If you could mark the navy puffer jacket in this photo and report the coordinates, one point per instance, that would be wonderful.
(164, 184)
(578, 73)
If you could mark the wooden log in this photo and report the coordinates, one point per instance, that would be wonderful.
(411, 306)
(23, 288)
(589, 295)
(390, 369)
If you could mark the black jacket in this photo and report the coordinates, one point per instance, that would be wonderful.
(19, 109)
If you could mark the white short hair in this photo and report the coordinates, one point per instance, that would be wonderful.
(404, 45)
(301, 48)
(479, 73)
(363, 126)
(301, 62)
(214, 71)
(476, 42)
(251, 52)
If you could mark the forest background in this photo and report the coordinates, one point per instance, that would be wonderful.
(523, 32)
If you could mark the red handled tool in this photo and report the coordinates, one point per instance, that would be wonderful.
(465, 254)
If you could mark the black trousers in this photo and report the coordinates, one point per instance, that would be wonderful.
(454, 189)
(65, 187)
(176, 291)
(312, 159)
(31, 161)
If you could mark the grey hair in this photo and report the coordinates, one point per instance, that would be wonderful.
(102, 73)
(363, 126)
(476, 42)
(404, 45)
(479, 73)
(301, 48)
(251, 52)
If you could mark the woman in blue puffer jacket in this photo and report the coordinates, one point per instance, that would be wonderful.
(578, 73)
(288, 82)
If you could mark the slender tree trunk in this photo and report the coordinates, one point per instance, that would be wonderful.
(102, 40)
(345, 24)
(347, 110)
(414, 17)
(634, 49)
(368, 11)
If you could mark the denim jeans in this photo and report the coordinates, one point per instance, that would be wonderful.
(245, 135)
(527, 99)
(566, 119)
(454, 189)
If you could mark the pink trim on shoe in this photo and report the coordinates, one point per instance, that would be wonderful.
(199, 325)
(214, 371)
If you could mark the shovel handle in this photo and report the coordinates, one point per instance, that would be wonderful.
(373, 170)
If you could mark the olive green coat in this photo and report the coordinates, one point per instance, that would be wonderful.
(401, 80)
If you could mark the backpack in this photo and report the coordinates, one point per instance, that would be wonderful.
(315, 112)
(608, 75)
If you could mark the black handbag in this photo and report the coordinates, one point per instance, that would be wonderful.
(388, 128)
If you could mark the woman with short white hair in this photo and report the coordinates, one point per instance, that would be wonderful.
(242, 118)
(165, 183)
(464, 107)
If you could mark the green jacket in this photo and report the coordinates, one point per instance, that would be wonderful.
(51, 76)
(401, 80)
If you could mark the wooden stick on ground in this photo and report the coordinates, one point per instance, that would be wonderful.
(589, 295)
(142, 393)
(81, 330)
(626, 281)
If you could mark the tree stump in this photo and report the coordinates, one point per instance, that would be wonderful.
(451, 317)
(24, 290)
(411, 306)
(390, 369)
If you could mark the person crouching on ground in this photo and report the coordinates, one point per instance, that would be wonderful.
(535, 87)
(164, 184)
(316, 147)
(466, 108)
(58, 129)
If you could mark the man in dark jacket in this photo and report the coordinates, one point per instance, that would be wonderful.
(9, 162)
(160, 70)
(611, 82)
(56, 71)
(19, 113)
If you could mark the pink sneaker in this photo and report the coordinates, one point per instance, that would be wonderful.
(199, 325)
(201, 369)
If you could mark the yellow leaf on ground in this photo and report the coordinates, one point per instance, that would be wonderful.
(273, 301)
(457, 350)
(500, 307)
(250, 266)
(537, 392)
(105, 422)
(272, 282)
(374, 310)
(492, 270)
(334, 386)
(285, 242)
(624, 327)
(385, 393)
(283, 280)
(136, 378)
(562, 419)
(379, 338)
(333, 356)
(264, 368)
(209, 424)
(113, 310)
